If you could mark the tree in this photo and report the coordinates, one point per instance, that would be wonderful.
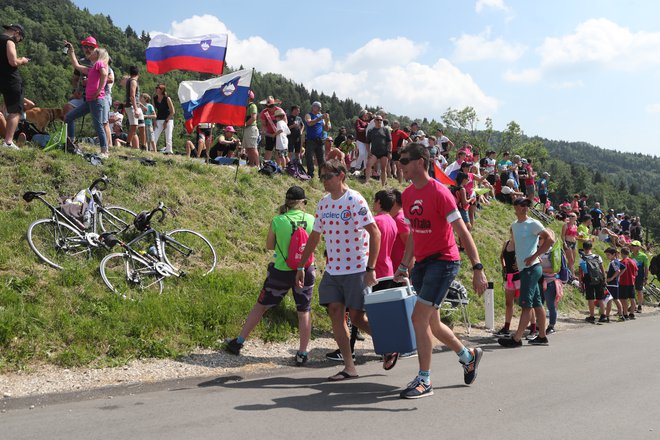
(511, 137)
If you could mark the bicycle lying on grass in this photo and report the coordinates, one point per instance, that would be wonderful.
(152, 256)
(63, 236)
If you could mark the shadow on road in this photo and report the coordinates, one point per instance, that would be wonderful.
(353, 395)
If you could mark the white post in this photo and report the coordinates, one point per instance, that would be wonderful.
(489, 306)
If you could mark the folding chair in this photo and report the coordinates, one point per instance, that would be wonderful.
(457, 300)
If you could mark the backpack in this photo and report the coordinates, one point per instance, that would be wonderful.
(295, 169)
(297, 245)
(269, 168)
(596, 276)
(564, 273)
(555, 255)
(654, 267)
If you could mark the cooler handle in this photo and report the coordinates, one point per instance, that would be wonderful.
(409, 288)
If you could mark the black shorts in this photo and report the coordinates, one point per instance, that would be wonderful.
(614, 291)
(294, 144)
(639, 281)
(279, 282)
(626, 292)
(270, 143)
(380, 154)
(12, 92)
(396, 156)
(594, 292)
(543, 198)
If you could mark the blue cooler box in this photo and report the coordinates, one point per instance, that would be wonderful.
(389, 313)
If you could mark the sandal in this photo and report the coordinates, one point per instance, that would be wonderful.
(389, 360)
(342, 375)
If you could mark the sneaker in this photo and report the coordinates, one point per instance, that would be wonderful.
(470, 370)
(359, 337)
(531, 336)
(10, 145)
(104, 155)
(509, 342)
(631, 316)
(502, 333)
(590, 319)
(550, 330)
(603, 318)
(538, 341)
(301, 359)
(639, 308)
(336, 356)
(622, 318)
(233, 346)
(412, 354)
(416, 390)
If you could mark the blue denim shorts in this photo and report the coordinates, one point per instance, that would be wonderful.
(431, 280)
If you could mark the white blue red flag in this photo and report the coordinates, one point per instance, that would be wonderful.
(221, 100)
(197, 54)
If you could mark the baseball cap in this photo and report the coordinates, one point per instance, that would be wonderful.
(89, 41)
(230, 128)
(295, 193)
(522, 202)
(635, 243)
(316, 104)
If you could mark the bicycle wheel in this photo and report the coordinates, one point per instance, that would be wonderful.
(54, 242)
(114, 218)
(129, 276)
(189, 251)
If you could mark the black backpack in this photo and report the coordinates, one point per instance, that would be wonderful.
(596, 276)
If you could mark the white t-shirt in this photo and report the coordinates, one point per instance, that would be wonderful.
(490, 168)
(342, 223)
(281, 140)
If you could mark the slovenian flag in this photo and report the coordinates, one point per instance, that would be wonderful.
(440, 175)
(197, 54)
(221, 100)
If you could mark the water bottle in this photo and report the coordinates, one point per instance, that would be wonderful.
(152, 251)
(87, 217)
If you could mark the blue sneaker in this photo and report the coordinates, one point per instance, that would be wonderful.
(416, 390)
(470, 370)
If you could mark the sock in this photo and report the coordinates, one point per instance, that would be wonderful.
(302, 353)
(506, 325)
(465, 355)
(532, 328)
(240, 339)
(425, 376)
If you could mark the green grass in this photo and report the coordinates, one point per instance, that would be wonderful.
(69, 318)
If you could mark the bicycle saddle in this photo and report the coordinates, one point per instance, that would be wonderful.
(31, 195)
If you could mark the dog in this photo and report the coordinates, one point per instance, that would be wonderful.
(43, 117)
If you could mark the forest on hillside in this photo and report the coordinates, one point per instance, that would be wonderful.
(627, 182)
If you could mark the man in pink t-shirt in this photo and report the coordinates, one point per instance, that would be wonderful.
(431, 212)
(403, 230)
(383, 202)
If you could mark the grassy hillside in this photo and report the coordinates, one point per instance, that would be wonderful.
(69, 317)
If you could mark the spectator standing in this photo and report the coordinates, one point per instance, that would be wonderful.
(643, 263)
(614, 271)
(11, 82)
(444, 142)
(149, 117)
(134, 113)
(282, 133)
(569, 232)
(317, 123)
(583, 234)
(383, 204)
(350, 272)
(281, 278)
(164, 117)
(526, 234)
(431, 212)
(596, 218)
(592, 280)
(402, 228)
(627, 280)
(490, 166)
(251, 132)
(94, 96)
(361, 137)
(379, 149)
(552, 290)
(268, 124)
(297, 128)
(542, 187)
(79, 80)
(398, 138)
(511, 276)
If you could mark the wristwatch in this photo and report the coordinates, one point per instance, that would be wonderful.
(370, 269)
(478, 266)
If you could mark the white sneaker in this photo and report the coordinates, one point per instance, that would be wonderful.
(104, 155)
(11, 145)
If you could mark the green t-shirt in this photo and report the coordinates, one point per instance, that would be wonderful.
(251, 110)
(347, 148)
(582, 232)
(281, 226)
(642, 260)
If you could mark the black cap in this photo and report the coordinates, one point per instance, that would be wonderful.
(15, 27)
(295, 193)
(522, 202)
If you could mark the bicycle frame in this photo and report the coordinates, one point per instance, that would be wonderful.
(159, 240)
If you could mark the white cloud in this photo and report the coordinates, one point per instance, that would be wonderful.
(492, 4)
(367, 75)
(481, 47)
(568, 85)
(603, 42)
(523, 76)
(653, 108)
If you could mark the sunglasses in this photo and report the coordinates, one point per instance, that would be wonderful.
(406, 160)
(327, 176)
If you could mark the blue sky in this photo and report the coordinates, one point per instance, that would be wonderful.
(571, 70)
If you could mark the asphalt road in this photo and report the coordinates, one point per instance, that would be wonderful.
(598, 381)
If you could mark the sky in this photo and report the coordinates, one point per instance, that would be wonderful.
(569, 70)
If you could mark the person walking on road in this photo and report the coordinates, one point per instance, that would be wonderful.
(431, 211)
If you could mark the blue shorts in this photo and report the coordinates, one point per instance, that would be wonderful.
(431, 280)
(530, 293)
(464, 215)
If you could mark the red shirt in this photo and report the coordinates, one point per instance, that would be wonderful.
(430, 212)
(361, 130)
(399, 244)
(398, 136)
(627, 278)
(269, 123)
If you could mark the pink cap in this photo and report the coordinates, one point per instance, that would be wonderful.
(89, 41)
(230, 128)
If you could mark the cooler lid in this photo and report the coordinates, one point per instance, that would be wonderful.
(389, 295)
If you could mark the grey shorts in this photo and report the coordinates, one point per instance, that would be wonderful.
(349, 290)
(250, 136)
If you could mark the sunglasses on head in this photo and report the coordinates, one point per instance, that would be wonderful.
(328, 176)
(406, 160)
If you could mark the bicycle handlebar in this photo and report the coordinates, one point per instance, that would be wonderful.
(97, 183)
(159, 209)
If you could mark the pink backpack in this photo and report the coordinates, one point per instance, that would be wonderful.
(297, 244)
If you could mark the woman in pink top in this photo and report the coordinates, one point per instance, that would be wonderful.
(569, 237)
(95, 102)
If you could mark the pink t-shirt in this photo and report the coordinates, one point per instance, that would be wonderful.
(93, 80)
(430, 212)
(342, 223)
(399, 244)
(388, 235)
